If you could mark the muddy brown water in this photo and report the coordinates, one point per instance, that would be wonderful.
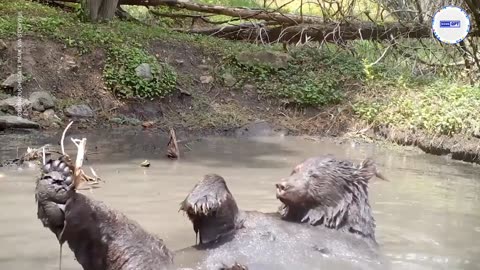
(428, 215)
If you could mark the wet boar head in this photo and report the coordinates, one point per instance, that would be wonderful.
(211, 208)
(329, 192)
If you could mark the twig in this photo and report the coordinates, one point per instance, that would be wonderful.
(79, 175)
(43, 155)
(63, 137)
(81, 144)
(94, 174)
(381, 57)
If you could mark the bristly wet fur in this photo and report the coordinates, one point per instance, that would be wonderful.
(101, 238)
(211, 208)
(335, 195)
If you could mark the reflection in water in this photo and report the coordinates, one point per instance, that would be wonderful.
(428, 215)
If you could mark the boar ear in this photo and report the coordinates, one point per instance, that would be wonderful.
(369, 167)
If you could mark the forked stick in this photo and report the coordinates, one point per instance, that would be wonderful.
(79, 176)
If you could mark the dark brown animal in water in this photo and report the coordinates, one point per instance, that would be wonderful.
(212, 209)
(261, 240)
(329, 192)
(101, 238)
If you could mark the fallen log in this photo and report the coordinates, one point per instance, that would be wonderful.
(238, 12)
(194, 17)
(330, 32)
(288, 28)
(245, 31)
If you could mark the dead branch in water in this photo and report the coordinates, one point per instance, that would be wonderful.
(32, 154)
(80, 177)
(172, 147)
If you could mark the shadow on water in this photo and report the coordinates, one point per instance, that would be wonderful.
(428, 214)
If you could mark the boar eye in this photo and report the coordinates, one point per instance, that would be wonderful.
(314, 176)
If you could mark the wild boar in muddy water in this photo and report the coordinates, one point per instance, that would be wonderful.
(265, 240)
(324, 191)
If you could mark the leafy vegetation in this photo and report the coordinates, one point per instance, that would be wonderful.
(438, 108)
(124, 40)
(121, 76)
(435, 100)
(313, 77)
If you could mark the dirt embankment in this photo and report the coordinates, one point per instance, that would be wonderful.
(198, 106)
(457, 147)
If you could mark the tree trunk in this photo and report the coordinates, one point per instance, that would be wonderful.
(107, 9)
(99, 10)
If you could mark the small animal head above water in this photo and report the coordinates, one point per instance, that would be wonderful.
(325, 191)
(211, 208)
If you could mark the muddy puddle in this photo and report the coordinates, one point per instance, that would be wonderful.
(428, 215)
